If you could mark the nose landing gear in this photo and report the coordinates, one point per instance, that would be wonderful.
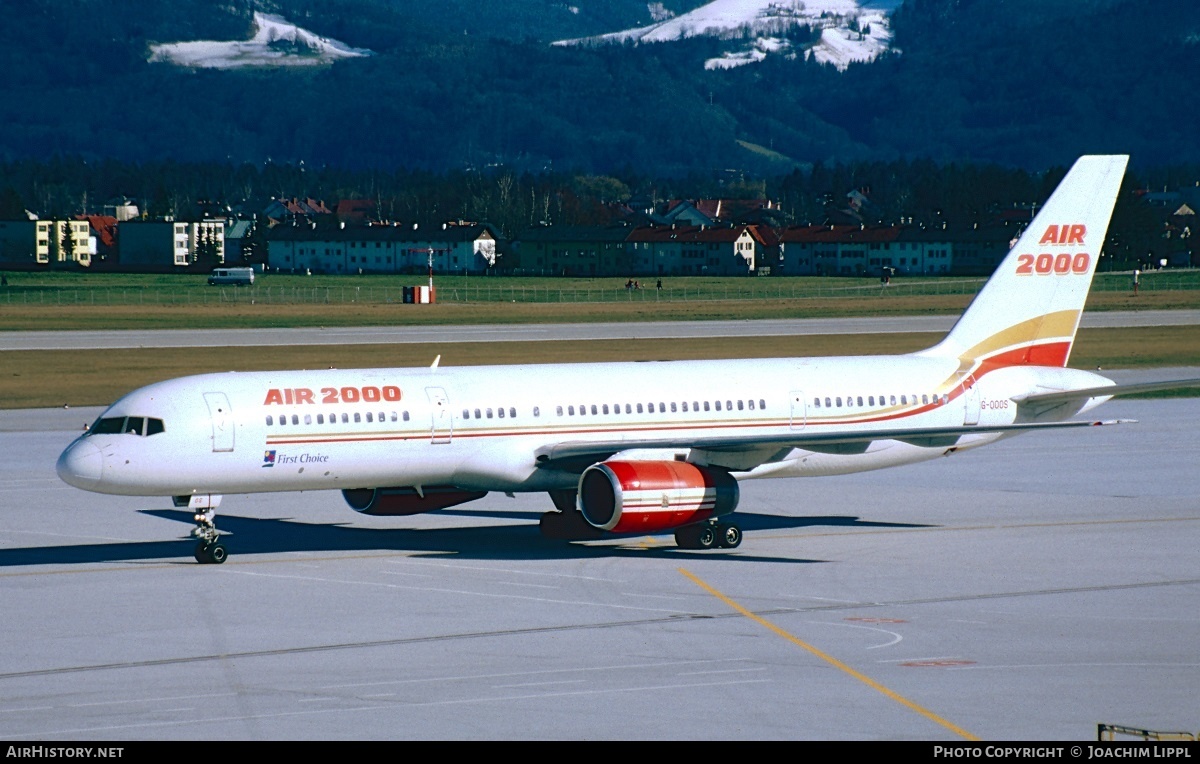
(209, 550)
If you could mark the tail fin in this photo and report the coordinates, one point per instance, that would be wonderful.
(1028, 311)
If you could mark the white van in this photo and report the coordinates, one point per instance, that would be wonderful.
(231, 276)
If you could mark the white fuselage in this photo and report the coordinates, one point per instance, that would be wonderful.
(481, 428)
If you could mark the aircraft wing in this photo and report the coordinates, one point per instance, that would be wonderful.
(747, 451)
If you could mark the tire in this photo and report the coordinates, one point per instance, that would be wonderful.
(201, 553)
(686, 537)
(217, 554)
(706, 538)
(731, 536)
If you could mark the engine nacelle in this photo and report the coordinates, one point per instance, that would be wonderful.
(406, 500)
(646, 497)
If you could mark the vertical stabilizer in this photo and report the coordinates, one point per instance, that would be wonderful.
(1028, 311)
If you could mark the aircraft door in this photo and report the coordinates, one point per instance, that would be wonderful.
(970, 399)
(798, 411)
(222, 421)
(442, 427)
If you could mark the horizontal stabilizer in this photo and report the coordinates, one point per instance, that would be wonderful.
(1105, 391)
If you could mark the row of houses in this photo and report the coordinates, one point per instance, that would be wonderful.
(848, 250)
(476, 248)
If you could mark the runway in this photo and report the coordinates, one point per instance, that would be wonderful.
(1025, 591)
(163, 338)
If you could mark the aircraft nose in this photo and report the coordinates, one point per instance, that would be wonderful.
(81, 465)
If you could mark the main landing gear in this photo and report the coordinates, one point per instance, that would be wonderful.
(709, 535)
(209, 550)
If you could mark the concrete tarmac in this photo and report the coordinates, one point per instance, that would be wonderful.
(1026, 591)
(162, 338)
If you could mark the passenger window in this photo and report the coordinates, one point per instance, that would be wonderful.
(639, 408)
(740, 406)
(357, 417)
(838, 401)
(751, 404)
(871, 400)
(828, 402)
(571, 410)
(903, 400)
(270, 420)
(466, 413)
(394, 416)
(512, 413)
(672, 407)
(537, 411)
(762, 403)
(860, 400)
(488, 412)
(308, 418)
(320, 419)
(893, 400)
(685, 408)
(559, 410)
(405, 415)
(816, 403)
(606, 408)
(706, 405)
(593, 408)
(345, 418)
(718, 405)
(295, 419)
(478, 414)
(500, 412)
(628, 409)
(924, 398)
(369, 417)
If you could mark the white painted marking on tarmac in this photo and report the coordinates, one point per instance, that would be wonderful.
(151, 700)
(728, 671)
(537, 684)
(516, 571)
(465, 592)
(571, 670)
(896, 637)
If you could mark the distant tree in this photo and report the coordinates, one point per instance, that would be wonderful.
(67, 244)
(11, 205)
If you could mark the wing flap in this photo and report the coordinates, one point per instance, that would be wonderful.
(570, 455)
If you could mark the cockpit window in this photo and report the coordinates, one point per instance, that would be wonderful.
(108, 426)
(131, 425)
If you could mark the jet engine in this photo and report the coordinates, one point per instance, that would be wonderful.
(647, 497)
(407, 500)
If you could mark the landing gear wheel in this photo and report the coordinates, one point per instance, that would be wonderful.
(210, 554)
(702, 536)
(731, 536)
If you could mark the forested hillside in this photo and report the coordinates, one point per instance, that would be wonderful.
(1023, 83)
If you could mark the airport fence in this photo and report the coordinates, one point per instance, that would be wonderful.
(489, 291)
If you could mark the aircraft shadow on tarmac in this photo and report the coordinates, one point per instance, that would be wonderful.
(245, 536)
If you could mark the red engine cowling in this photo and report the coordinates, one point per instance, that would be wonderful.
(645, 497)
(405, 500)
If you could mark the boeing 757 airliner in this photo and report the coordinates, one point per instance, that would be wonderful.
(626, 447)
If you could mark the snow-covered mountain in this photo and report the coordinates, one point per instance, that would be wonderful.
(850, 30)
(276, 42)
